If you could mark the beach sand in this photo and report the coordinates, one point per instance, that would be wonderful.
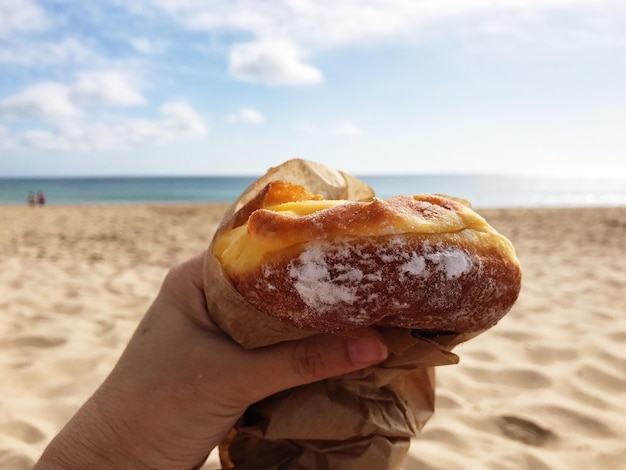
(545, 388)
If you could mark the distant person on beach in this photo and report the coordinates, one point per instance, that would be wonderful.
(181, 384)
(32, 200)
(41, 198)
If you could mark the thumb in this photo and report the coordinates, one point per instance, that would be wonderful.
(319, 357)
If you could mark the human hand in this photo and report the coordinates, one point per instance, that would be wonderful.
(181, 384)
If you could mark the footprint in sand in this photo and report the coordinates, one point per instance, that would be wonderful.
(599, 377)
(32, 342)
(518, 378)
(444, 436)
(574, 420)
(20, 364)
(523, 430)
(618, 337)
(544, 354)
(75, 366)
(448, 401)
(23, 431)
(70, 308)
(516, 336)
(15, 462)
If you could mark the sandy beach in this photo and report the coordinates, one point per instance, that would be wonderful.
(545, 388)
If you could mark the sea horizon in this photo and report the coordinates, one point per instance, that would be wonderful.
(482, 190)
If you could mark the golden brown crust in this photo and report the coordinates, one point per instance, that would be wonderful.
(422, 262)
(275, 192)
(357, 218)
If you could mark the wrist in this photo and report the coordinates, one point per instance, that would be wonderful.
(90, 440)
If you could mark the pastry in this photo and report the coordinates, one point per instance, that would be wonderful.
(424, 262)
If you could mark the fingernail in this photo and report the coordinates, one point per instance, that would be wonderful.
(366, 351)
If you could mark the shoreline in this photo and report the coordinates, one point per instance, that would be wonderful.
(542, 389)
(225, 204)
(483, 189)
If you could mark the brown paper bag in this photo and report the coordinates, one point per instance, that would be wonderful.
(360, 421)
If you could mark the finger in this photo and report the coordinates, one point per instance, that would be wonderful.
(295, 363)
(188, 273)
(183, 289)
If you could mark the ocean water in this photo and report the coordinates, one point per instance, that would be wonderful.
(484, 191)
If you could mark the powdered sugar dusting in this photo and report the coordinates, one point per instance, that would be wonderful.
(453, 262)
(414, 282)
(324, 277)
(313, 282)
(415, 266)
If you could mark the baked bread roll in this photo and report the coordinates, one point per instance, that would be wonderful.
(425, 262)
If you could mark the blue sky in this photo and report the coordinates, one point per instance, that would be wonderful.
(141, 87)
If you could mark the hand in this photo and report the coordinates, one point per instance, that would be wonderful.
(181, 384)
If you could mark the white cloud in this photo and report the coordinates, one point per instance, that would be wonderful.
(271, 63)
(181, 119)
(107, 87)
(327, 23)
(44, 140)
(177, 121)
(286, 32)
(53, 100)
(63, 127)
(247, 116)
(146, 45)
(47, 100)
(40, 54)
(21, 16)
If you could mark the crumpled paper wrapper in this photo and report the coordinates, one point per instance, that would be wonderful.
(359, 421)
